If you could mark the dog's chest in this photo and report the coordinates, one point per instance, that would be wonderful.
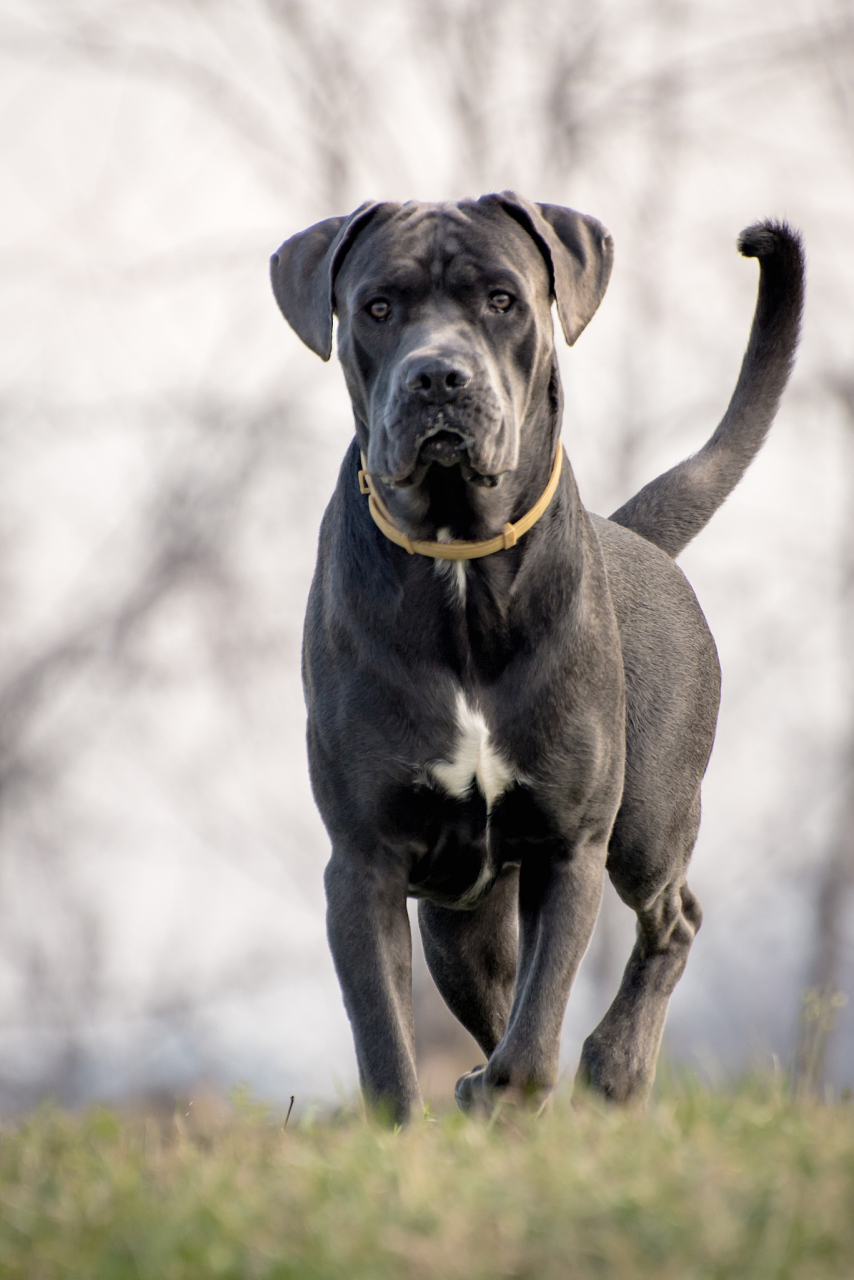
(448, 816)
(474, 759)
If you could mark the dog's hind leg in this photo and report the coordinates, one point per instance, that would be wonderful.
(471, 956)
(619, 1058)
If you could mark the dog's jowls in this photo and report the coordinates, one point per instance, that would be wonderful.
(491, 735)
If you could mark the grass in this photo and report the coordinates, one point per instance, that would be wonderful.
(705, 1184)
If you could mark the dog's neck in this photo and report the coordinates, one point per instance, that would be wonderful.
(475, 615)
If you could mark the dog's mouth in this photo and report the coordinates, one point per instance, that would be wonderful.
(445, 447)
(450, 448)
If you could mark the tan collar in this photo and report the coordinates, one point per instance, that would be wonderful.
(459, 550)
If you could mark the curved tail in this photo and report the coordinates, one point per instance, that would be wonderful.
(672, 509)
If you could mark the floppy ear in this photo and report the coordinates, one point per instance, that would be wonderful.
(577, 249)
(303, 275)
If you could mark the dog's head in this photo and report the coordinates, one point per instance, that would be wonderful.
(444, 321)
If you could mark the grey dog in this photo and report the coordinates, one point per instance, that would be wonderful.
(502, 709)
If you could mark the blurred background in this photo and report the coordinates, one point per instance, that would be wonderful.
(168, 448)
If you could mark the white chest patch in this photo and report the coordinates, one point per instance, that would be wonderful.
(475, 759)
(453, 571)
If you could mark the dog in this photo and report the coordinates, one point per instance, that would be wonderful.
(507, 695)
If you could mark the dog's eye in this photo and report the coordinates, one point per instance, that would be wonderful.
(500, 301)
(379, 309)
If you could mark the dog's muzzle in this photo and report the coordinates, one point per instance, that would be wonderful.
(444, 401)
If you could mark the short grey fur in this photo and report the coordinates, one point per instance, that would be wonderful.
(494, 740)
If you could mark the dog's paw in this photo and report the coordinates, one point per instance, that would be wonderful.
(485, 1089)
(621, 1077)
(470, 1093)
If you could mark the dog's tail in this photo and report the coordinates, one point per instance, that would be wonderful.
(672, 509)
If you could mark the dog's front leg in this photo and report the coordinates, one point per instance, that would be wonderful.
(559, 896)
(371, 945)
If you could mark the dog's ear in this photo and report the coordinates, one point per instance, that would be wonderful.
(577, 249)
(303, 275)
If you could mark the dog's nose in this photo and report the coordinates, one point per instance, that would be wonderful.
(435, 379)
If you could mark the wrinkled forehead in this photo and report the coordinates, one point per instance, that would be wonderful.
(443, 243)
